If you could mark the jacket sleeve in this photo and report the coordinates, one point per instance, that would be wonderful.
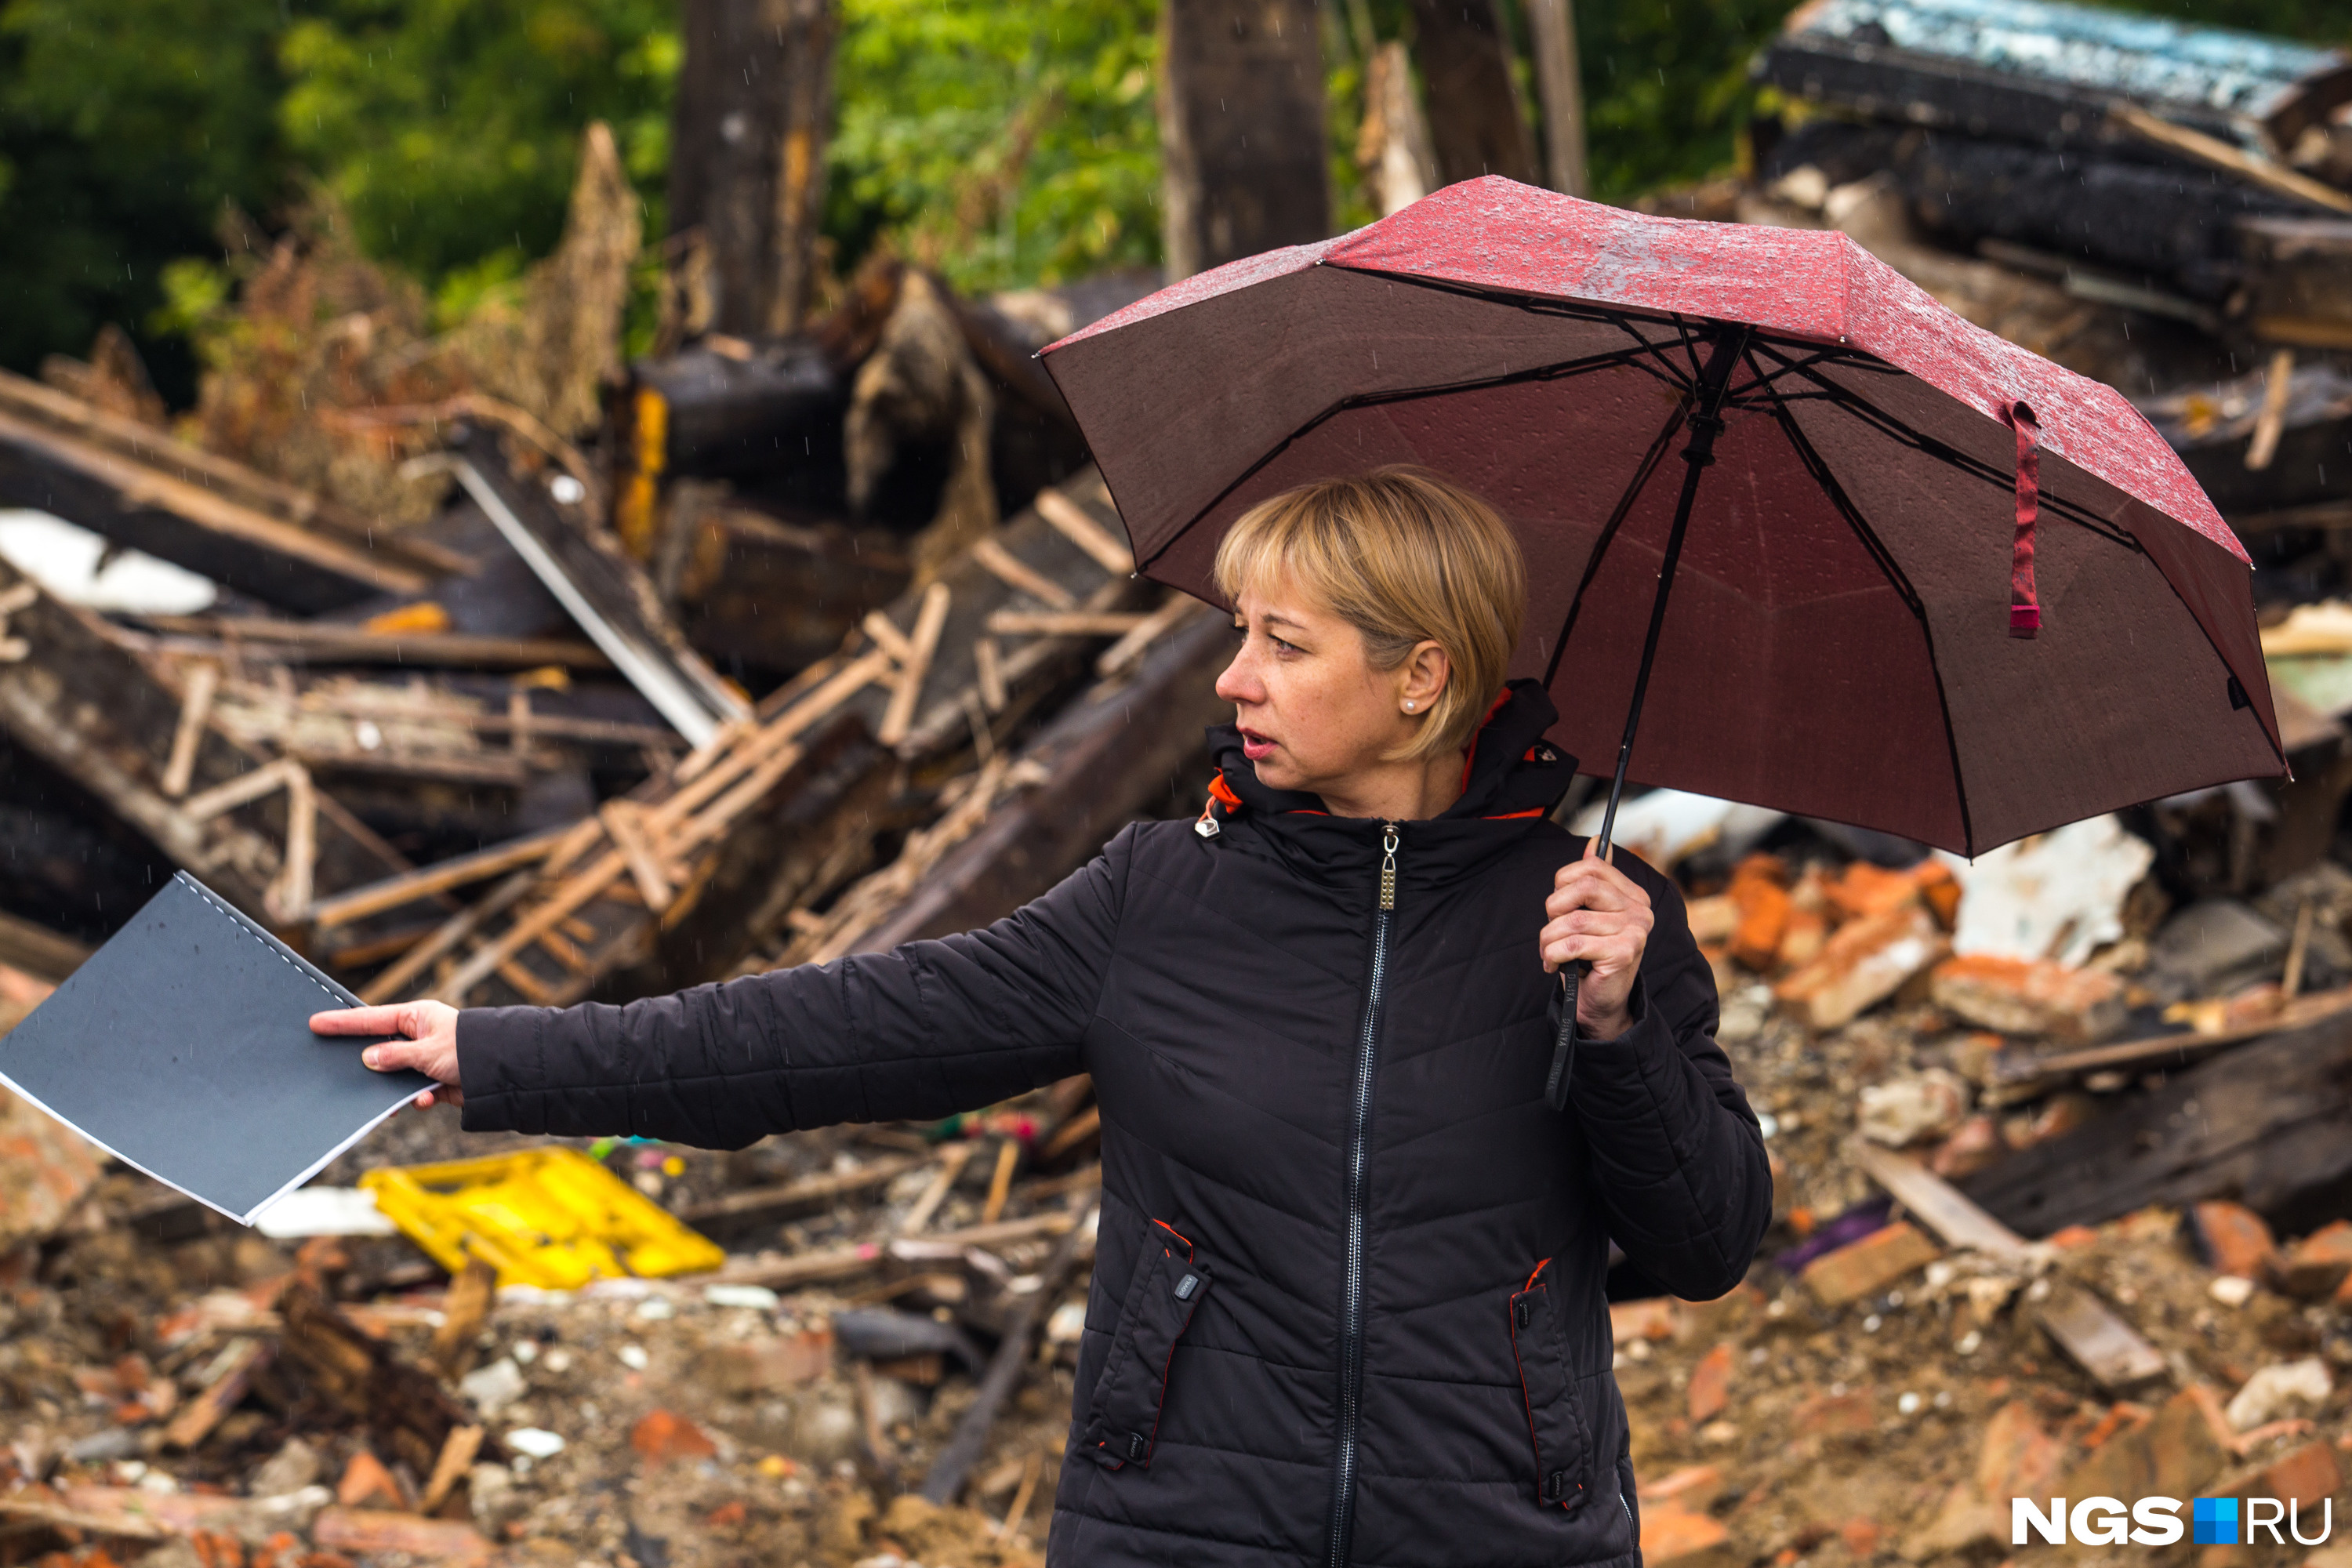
(922, 1031)
(1677, 1155)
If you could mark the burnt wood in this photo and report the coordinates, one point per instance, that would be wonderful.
(1241, 130)
(2263, 1124)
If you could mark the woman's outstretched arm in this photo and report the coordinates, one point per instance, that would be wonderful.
(922, 1031)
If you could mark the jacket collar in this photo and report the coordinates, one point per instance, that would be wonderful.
(1515, 778)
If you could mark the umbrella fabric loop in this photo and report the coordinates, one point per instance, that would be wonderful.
(2024, 601)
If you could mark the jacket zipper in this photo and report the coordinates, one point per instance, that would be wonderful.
(1351, 1312)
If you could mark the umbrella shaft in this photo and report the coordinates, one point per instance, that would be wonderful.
(1705, 423)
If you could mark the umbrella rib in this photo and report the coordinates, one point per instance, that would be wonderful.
(1951, 457)
(1625, 500)
(1560, 370)
(1896, 578)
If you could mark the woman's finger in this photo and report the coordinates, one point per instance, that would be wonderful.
(1595, 886)
(358, 1021)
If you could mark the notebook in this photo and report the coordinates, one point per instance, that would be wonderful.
(183, 1048)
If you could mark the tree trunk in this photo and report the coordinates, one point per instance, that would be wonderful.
(747, 159)
(1393, 147)
(1560, 81)
(1473, 104)
(1241, 130)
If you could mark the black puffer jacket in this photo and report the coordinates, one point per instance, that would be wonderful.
(1347, 1302)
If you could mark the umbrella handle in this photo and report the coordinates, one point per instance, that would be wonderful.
(1563, 1049)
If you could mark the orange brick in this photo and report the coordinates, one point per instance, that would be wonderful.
(1832, 1414)
(1710, 1384)
(1863, 889)
(2232, 1239)
(2019, 1457)
(1651, 1318)
(664, 1436)
(2072, 1006)
(2072, 1235)
(367, 1484)
(2305, 1476)
(1939, 890)
(1713, 921)
(1861, 1537)
(1684, 1536)
(1864, 963)
(364, 1532)
(2317, 1264)
(1867, 1267)
(1763, 916)
(1692, 1486)
(1808, 932)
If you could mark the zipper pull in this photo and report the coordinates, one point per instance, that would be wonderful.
(1388, 865)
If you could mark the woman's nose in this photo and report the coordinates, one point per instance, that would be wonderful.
(1239, 683)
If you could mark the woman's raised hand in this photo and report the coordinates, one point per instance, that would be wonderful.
(1598, 914)
(430, 1045)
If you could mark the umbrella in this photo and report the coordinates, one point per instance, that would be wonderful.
(1797, 534)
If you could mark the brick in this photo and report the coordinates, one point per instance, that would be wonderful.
(1713, 920)
(2019, 1457)
(2315, 1265)
(769, 1365)
(1692, 1486)
(363, 1531)
(1808, 932)
(367, 1484)
(1974, 1144)
(2305, 1475)
(1763, 907)
(1863, 889)
(1866, 1267)
(1710, 1384)
(2122, 1466)
(1861, 1537)
(1835, 1415)
(1685, 1537)
(1939, 891)
(2232, 1239)
(1865, 963)
(664, 1436)
(45, 1170)
(2017, 996)
(1651, 1318)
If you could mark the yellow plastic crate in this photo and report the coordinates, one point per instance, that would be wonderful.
(550, 1217)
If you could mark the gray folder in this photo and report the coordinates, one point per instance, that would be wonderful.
(183, 1048)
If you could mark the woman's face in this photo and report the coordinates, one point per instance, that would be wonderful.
(1313, 712)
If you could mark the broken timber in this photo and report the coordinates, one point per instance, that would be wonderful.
(2262, 1125)
(254, 828)
(774, 813)
(243, 530)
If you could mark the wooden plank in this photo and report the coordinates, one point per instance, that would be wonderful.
(623, 820)
(1935, 1203)
(2263, 1125)
(2174, 1049)
(2098, 1341)
(2267, 173)
(1117, 659)
(751, 1204)
(38, 950)
(1064, 623)
(410, 886)
(1022, 577)
(352, 644)
(1073, 522)
(195, 711)
(147, 508)
(922, 645)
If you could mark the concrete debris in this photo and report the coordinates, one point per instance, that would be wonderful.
(2057, 896)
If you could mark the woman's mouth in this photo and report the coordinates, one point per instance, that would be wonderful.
(1255, 747)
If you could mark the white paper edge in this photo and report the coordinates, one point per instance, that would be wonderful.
(246, 1217)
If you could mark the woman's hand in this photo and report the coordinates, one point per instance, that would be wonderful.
(430, 1046)
(1599, 916)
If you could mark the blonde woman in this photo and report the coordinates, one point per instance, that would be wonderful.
(1347, 1302)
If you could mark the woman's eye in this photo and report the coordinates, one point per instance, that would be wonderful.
(1283, 647)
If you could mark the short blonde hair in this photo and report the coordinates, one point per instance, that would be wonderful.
(1404, 557)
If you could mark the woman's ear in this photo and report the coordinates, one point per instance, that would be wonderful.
(1424, 674)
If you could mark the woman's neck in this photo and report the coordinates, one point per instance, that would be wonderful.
(1398, 792)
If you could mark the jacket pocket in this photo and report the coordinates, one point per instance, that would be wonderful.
(1123, 1422)
(1561, 1438)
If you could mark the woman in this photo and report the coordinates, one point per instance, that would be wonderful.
(1347, 1298)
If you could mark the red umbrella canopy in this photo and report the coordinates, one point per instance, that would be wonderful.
(1849, 635)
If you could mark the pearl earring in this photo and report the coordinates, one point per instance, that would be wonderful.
(1408, 707)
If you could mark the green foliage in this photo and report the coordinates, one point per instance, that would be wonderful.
(1005, 143)
(124, 124)
(449, 129)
